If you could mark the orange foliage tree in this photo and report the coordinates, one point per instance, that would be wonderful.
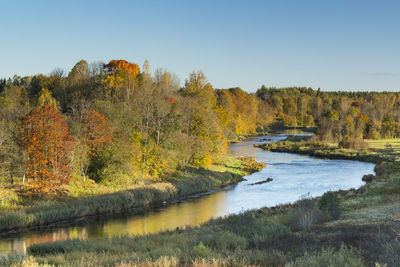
(97, 131)
(122, 66)
(120, 77)
(48, 145)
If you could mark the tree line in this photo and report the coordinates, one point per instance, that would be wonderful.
(343, 117)
(116, 123)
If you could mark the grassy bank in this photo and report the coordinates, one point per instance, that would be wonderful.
(239, 137)
(330, 151)
(345, 228)
(143, 197)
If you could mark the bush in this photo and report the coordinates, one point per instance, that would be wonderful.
(226, 241)
(242, 224)
(391, 249)
(305, 214)
(202, 251)
(329, 204)
(274, 230)
(353, 143)
(345, 257)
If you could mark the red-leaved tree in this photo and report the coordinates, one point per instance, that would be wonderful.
(97, 131)
(48, 145)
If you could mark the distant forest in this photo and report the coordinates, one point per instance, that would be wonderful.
(115, 122)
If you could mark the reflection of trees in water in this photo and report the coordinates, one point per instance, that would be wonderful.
(97, 228)
(21, 245)
(191, 213)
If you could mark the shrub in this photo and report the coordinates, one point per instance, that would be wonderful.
(391, 249)
(329, 204)
(305, 214)
(242, 224)
(353, 143)
(226, 240)
(275, 230)
(202, 251)
(368, 178)
(272, 231)
(345, 257)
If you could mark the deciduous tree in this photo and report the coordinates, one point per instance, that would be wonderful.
(47, 143)
(97, 131)
(120, 77)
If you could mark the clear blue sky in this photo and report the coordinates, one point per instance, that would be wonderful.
(334, 45)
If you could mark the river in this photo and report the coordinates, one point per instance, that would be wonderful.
(293, 176)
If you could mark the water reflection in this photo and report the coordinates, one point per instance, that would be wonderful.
(193, 213)
(293, 175)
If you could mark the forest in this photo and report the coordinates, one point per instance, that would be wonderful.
(116, 124)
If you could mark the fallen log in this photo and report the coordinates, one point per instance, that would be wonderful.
(269, 179)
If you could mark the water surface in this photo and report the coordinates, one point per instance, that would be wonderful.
(293, 176)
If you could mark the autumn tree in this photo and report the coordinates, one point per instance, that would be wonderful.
(153, 122)
(96, 133)
(203, 132)
(47, 144)
(120, 77)
(122, 67)
(45, 98)
(13, 106)
(164, 112)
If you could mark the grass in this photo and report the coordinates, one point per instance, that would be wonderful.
(9, 199)
(330, 151)
(389, 147)
(140, 198)
(385, 143)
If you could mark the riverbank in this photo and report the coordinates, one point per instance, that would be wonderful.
(302, 234)
(273, 130)
(329, 151)
(137, 199)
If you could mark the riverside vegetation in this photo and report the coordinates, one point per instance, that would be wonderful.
(110, 137)
(344, 228)
(140, 198)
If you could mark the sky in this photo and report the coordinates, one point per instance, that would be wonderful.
(332, 45)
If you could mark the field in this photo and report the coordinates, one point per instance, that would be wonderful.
(386, 146)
